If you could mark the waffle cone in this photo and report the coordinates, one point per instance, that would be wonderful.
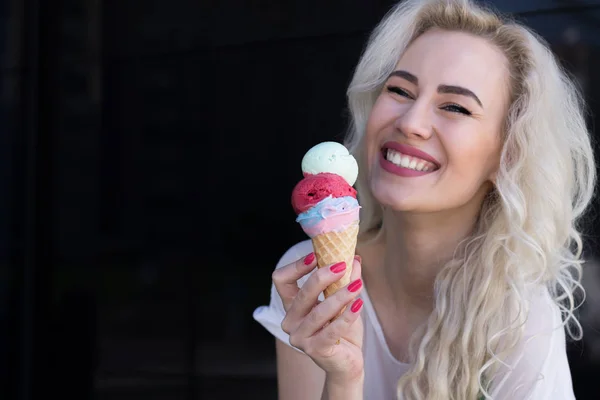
(334, 247)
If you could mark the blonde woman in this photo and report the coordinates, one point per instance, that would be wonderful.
(475, 167)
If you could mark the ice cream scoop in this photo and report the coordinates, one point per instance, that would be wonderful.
(330, 157)
(314, 188)
(330, 215)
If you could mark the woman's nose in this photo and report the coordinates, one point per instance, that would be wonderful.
(415, 122)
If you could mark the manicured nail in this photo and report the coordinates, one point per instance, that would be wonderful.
(337, 268)
(358, 258)
(309, 259)
(356, 306)
(354, 286)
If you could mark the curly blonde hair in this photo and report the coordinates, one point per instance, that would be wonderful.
(527, 232)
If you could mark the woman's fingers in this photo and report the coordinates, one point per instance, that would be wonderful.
(356, 269)
(307, 296)
(341, 327)
(355, 335)
(321, 342)
(302, 305)
(328, 309)
(285, 278)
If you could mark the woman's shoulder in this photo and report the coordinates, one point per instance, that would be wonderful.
(544, 326)
(544, 314)
(538, 367)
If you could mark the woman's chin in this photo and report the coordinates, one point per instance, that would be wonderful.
(391, 199)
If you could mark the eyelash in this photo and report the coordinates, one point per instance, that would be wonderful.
(455, 108)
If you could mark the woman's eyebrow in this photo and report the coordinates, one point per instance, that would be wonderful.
(406, 75)
(448, 89)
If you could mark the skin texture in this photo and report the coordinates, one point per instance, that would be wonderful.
(425, 217)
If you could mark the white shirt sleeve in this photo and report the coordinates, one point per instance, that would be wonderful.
(538, 368)
(271, 316)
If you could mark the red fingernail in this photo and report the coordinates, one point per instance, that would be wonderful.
(356, 306)
(309, 259)
(358, 258)
(337, 268)
(354, 286)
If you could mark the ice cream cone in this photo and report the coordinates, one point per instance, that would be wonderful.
(327, 207)
(333, 247)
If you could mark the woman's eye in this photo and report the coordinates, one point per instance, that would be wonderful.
(455, 108)
(399, 91)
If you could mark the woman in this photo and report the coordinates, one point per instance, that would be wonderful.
(475, 166)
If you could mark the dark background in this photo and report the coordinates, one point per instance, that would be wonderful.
(147, 155)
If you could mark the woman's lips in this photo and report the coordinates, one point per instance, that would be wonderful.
(407, 161)
(400, 171)
(410, 151)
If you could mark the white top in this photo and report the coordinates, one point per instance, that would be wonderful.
(540, 370)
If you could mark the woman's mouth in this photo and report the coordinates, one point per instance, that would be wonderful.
(406, 161)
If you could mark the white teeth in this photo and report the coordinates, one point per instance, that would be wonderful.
(396, 158)
(409, 162)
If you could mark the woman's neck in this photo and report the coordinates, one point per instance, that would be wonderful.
(411, 251)
(416, 249)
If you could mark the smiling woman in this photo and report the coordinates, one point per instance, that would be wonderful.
(475, 168)
(436, 113)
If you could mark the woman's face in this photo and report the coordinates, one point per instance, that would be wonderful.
(434, 134)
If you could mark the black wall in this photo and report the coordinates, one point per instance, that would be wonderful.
(168, 137)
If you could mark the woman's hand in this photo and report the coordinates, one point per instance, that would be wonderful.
(335, 346)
